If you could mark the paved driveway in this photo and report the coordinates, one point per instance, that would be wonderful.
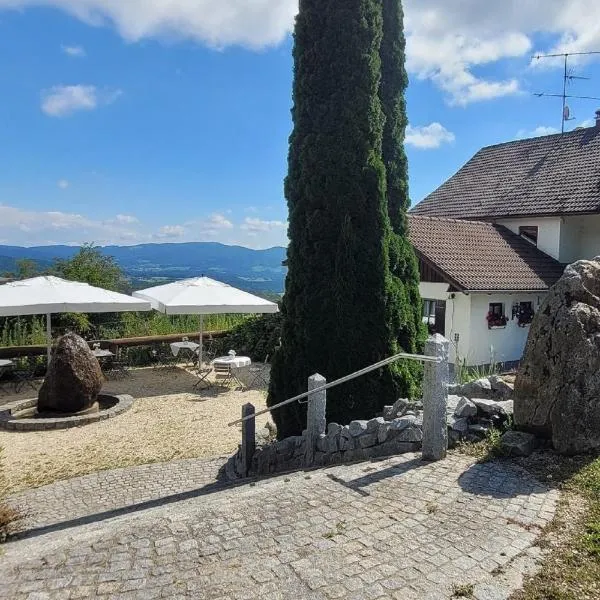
(397, 528)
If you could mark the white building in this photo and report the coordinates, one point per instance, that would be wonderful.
(497, 235)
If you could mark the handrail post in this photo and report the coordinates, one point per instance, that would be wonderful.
(435, 399)
(248, 438)
(316, 420)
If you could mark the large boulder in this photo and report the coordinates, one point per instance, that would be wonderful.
(557, 390)
(74, 378)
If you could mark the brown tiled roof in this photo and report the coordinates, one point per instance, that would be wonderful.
(550, 175)
(478, 256)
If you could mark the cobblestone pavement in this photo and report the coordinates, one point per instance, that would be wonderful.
(397, 528)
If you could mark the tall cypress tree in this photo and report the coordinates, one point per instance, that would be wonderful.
(342, 306)
(404, 303)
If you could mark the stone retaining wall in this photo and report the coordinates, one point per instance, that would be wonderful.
(360, 440)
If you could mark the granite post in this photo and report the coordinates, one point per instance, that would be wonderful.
(316, 419)
(435, 399)
(248, 438)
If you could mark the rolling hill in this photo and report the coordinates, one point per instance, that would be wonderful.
(148, 264)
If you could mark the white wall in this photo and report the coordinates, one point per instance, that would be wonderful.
(497, 345)
(549, 240)
(433, 291)
(458, 325)
(579, 238)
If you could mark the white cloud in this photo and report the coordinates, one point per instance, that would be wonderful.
(448, 41)
(537, 132)
(217, 23)
(63, 184)
(64, 100)
(171, 231)
(74, 51)
(255, 225)
(428, 136)
(128, 219)
(28, 228)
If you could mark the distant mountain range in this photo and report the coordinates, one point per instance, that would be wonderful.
(253, 270)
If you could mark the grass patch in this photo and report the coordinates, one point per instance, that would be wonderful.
(463, 590)
(571, 567)
(485, 450)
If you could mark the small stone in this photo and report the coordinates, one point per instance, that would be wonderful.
(357, 428)
(411, 434)
(465, 408)
(374, 424)
(517, 443)
(397, 410)
(481, 388)
(398, 425)
(459, 425)
(346, 443)
(334, 429)
(478, 429)
(322, 444)
(492, 407)
(383, 432)
(367, 440)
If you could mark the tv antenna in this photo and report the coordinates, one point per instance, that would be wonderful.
(568, 77)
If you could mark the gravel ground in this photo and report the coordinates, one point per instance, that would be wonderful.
(168, 421)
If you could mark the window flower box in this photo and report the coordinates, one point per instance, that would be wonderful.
(495, 321)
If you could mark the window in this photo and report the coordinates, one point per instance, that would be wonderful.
(429, 312)
(525, 314)
(530, 233)
(496, 316)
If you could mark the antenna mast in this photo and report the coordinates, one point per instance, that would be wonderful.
(567, 78)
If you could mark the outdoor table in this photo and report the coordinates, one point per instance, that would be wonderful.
(233, 361)
(102, 353)
(177, 346)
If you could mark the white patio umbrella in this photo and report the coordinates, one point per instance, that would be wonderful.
(51, 295)
(203, 296)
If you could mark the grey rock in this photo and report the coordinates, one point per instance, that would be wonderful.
(459, 425)
(374, 424)
(74, 378)
(397, 410)
(452, 403)
(322, 444)
(411, 434)
(557, 390)
(517, 443)
(478, 429)
(383, 432)
(334, 429)
(367, 440)
(333, 443)
(480, 388)
(357, 428)
(398, 425)
(493, 407)
(501, 388)
(465, 408)
(346, 443)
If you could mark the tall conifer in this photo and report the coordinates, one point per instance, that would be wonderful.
(344, 303)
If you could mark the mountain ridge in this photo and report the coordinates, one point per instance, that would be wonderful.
(237, 265)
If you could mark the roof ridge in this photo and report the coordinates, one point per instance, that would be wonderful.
(538, 137)
(448, 219)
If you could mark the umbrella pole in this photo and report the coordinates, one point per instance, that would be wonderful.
(201, 335)
(49, 335)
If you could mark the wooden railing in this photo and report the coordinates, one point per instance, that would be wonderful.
(114, 344)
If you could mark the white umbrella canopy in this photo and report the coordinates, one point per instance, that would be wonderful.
(50, 295)
(203, 296)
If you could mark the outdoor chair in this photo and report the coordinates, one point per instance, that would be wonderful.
(116, 369)
(258, 375)
(24, 375)
(203, 373)
(224, 374)
(163, 358)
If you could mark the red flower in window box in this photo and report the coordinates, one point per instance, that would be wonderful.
(494, 320)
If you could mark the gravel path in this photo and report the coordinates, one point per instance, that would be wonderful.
(168, 421)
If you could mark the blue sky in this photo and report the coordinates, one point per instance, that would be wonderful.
(167, 121)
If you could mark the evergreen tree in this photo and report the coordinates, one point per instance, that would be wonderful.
(404, 303)
(340, 291)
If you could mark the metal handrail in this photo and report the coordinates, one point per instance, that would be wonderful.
(374, 367)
